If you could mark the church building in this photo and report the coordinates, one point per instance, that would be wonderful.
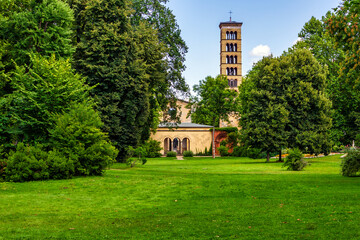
(196, 137)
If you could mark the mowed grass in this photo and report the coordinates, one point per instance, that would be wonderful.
(198, 198)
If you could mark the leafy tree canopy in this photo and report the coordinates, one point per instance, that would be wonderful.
(48, 87)
(36, 27)
(214, 101)
(283, 104)
(344, 26)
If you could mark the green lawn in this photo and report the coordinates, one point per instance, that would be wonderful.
(198, 198)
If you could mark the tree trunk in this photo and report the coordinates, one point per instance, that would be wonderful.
(280, 159)
(267, 156)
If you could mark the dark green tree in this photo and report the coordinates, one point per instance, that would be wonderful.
(110, 53)
(214, 101)
(42, 27)
(32, 27)
(344, 25)
(264, 115)
(162, 19)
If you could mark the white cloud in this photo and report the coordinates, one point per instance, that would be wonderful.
(260, 51)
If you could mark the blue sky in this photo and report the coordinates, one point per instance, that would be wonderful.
(269, 26)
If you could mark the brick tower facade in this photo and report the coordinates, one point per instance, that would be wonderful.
(230, 52)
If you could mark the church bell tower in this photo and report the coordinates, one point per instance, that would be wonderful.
(230, 52)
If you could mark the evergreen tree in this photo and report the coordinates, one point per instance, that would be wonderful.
(42, 27)
(110, 55)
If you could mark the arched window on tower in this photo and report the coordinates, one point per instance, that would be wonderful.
(227, 35)
(232, 59)
(231, 47)
(235, 47)
(231, 35)
(231, 71)
(231, 84)
(227, 47)
(235, 35)
(227, 71)
(227, 59)
(235, 59)
(235, 83)
(235, 71)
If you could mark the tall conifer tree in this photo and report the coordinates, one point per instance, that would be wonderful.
(110, 54)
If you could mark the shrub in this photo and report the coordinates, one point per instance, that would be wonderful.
(233, 139)
(27, 163)
(336, 148)
(3, 165)
(295, 160)
(188, 154)
(171, 154)
(223, 143)
(224, 151)
(254, 153)
(152, 148)
(77, 135)
(350, 165)
(137, 154)
(59, 166)
(239, 151)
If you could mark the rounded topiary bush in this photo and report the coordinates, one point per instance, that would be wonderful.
(223, 150)
(350, 165)
(188, 154)
(27, 163)
(171, 154)
(295, 160)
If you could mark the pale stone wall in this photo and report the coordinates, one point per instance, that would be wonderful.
(184, 111)
(199, 137)
(234, 121)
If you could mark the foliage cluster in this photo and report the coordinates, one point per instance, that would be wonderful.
(130, 65)
(206, 152)
(215, 101)
(188, 154)
(136, 155)
(246, 151)
(283, 104)
(152, 148)
(295, 160)
(334, 42)
(78, 148)
(226, 129)
(171, 154)
(134, 57)
(223, 150)
(350, 164)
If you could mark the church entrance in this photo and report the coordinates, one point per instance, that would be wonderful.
(176, 145)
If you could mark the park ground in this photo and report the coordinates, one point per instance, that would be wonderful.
(197, 198)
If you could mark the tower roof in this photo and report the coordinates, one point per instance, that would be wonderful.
(231, 23)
